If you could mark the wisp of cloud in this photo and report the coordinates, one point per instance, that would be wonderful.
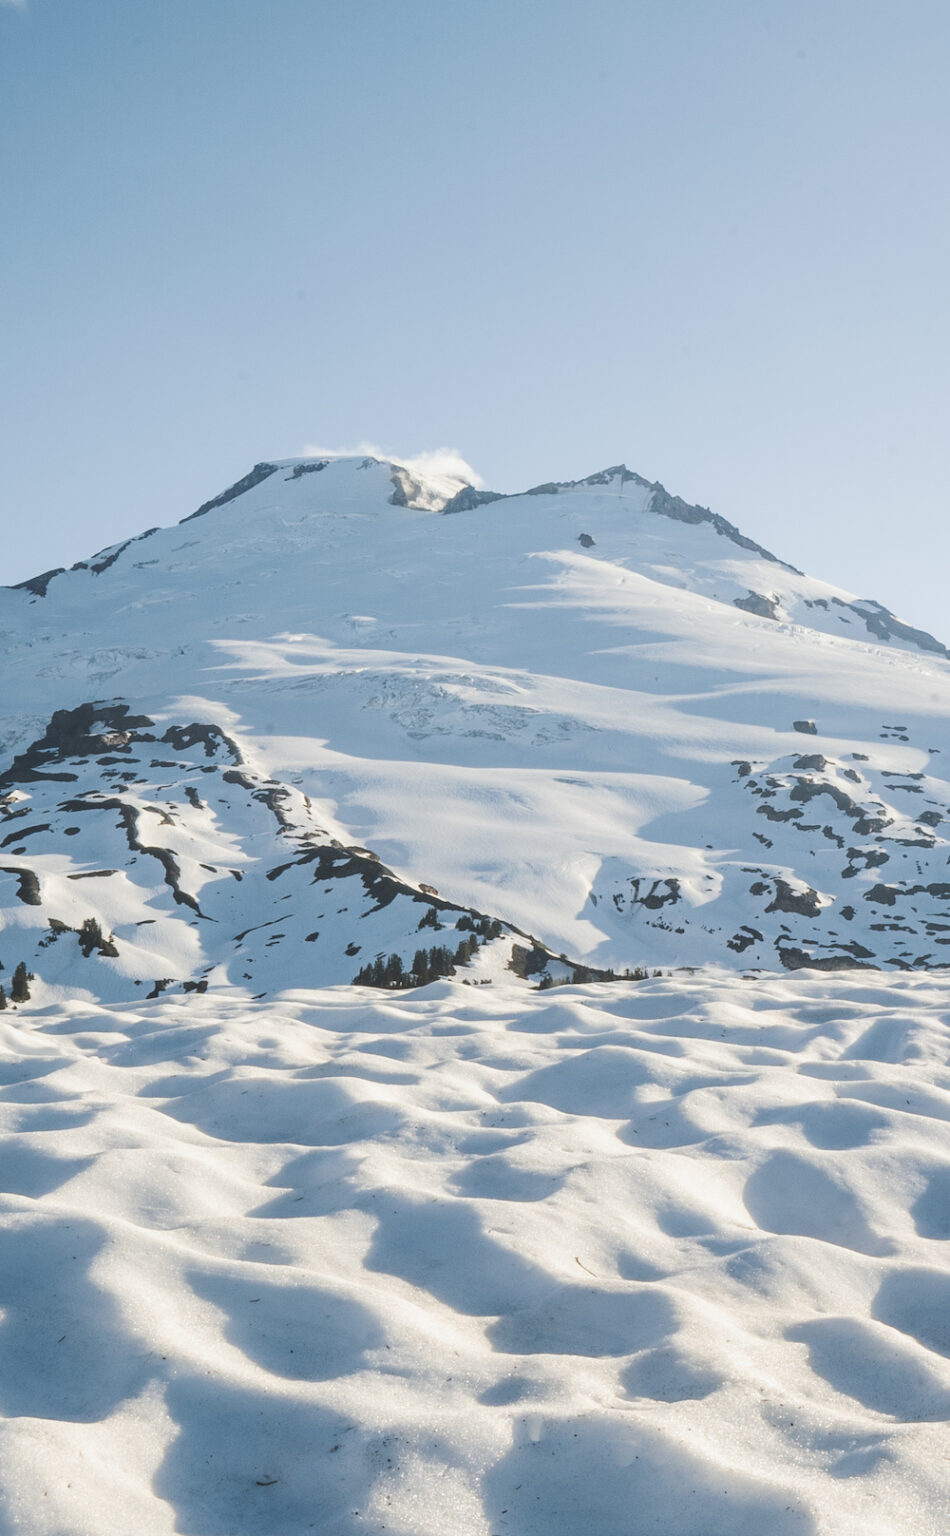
(443, 467)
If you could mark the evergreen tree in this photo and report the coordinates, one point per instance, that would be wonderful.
(3, 999)
(489, 928)
(20, 990)
(90, 936)
(440, 961)
(465, 951)
(394, 972)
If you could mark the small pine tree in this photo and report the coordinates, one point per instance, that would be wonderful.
(489, 928)
(3, 999)
(20, 990)
(394, 973)
(465, 951)
(90, 936)
(440, 961)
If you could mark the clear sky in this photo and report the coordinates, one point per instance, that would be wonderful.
(707, 237)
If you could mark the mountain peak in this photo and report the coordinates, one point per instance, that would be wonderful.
(575, 710)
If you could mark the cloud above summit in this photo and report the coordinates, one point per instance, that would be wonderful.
(431, 463)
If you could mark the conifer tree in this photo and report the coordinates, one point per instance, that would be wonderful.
(20, 990)
(90, 936)
(394, 973)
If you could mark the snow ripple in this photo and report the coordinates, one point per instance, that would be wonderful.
(481, 1260)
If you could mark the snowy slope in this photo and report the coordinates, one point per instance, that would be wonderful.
(283, 1254)
(629, 760)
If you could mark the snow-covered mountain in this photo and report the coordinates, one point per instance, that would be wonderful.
(339, 702)
(282, 1254)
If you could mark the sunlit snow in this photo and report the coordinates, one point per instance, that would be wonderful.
(281, 1253)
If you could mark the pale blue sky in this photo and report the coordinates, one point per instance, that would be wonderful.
(709, 237)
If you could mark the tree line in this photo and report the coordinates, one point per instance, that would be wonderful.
(390, 973)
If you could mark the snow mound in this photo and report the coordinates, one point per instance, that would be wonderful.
(479, 1260)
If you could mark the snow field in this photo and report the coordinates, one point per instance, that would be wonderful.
(619, 1259)
(538, 705)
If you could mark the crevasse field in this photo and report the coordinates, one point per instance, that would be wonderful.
(501, 1253)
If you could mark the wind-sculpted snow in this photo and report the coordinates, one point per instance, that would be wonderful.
(657, 1258)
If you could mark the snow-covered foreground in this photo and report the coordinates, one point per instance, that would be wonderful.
(472, 1260)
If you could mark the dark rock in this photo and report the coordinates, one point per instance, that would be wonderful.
(886, 626)
(763, 607)
(39, 584)
(807, 789)
(467, 499)
(183, 737)
(311, 468)
(255, 476)
(660, 894)
(743, 939)
(773, 815)
(28, 886)
(21, 832)
(795, 959)
(665, 505)
(806, 903)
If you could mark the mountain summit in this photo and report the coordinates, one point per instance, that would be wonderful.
(345, 710)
